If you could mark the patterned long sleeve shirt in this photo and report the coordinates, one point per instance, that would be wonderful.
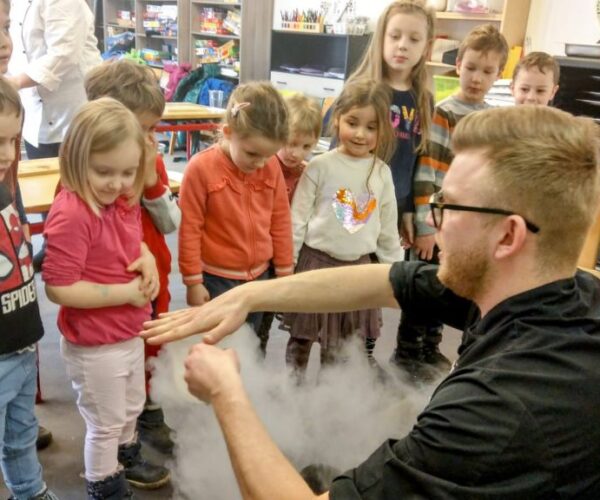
(432, 166)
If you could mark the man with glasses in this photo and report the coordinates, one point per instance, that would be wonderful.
(518, 415)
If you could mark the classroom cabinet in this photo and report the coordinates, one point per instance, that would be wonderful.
(310, 85)
(315, 64)
(232, 33)
(215, 33)
(578, 87)
(159, 28)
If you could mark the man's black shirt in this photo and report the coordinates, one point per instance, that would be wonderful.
(519, 415)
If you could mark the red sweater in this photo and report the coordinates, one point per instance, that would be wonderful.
(291, 176)
(233, 224)
(156, 240)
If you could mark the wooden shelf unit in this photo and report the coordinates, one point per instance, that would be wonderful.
(460, 16)
(178, 45)
(512, 23)
(254, 36)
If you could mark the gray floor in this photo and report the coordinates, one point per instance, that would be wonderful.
(63, 460)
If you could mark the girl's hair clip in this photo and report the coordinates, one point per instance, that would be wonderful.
(235, 109)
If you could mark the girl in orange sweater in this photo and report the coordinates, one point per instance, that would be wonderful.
(233, 199)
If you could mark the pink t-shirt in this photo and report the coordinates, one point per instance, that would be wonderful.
(84, 247)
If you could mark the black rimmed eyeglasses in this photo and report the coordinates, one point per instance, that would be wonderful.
(437, 208)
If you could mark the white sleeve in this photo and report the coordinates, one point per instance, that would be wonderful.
(388, 241)
(164, 211)
(66, 26)
(303, 206)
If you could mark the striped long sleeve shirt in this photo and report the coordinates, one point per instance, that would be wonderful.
(432, 166)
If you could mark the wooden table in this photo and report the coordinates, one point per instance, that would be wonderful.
(38, 180)
(187, 117)
(189, 111)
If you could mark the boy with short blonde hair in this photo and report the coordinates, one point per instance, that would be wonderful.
(480, 61)
(484, 39)
(136, 87)
(132, 84)
(535, 79)
(305, 121)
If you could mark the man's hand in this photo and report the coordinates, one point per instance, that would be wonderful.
(216, 319)
(145, 265)
(424, 245)
(196, 295)
(211, 372)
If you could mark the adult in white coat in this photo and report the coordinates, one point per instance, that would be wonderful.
(54, 47)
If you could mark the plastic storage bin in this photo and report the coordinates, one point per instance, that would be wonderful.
(444, 86)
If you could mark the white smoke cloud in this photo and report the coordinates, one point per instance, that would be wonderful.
(337, 418)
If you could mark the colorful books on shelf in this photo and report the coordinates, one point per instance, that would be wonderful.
(160, 20)
(213, 20)
(212, 51)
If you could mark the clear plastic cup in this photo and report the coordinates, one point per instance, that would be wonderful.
(215, 98)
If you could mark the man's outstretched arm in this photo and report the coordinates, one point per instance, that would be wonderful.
(328, 290)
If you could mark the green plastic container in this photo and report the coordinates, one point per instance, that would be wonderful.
(444, 86)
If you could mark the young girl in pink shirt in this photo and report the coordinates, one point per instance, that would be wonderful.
(103, 277)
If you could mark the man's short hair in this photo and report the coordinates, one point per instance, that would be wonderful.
(130, 83)
(544, 165)
(542, 61)
(485, 38)
(304, 115)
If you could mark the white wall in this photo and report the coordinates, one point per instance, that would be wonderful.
(552, 23)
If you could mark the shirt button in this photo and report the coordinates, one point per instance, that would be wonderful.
(50, 123)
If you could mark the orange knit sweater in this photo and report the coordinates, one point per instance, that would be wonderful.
(233, 224)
